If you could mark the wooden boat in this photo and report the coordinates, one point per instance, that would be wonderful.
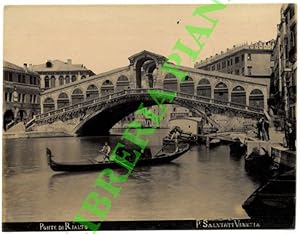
(214, 142)
(93, 165)
(274, 200)
(237, 148)
(258, 161)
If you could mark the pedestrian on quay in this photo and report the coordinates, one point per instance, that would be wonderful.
(265, 129)
(291, 136)
(259, 128)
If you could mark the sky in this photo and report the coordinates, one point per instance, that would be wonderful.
(103, 37)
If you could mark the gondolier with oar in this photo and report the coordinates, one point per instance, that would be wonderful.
(106, 151)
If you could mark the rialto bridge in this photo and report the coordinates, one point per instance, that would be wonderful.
(106, 98)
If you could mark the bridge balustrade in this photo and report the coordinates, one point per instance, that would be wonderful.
(144, 91)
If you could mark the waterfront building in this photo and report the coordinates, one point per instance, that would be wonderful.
(250, 60)
(55, 73)
(283, 81)
(21, 95)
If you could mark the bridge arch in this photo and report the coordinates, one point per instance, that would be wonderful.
(170, 82)
(63, 100)
(92, 92)
(122, 83)
(204, 88)
(107, 87)
(256, 99)
(238, 95)
(121, 109)
(221, 92)
(48, 104)
(77, 96)
(187, 85)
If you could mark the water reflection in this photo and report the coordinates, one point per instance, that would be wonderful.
(203, 183)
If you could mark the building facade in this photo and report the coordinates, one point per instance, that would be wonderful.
(252, 60)
(283, 82)
(55, 73)
(21, 95)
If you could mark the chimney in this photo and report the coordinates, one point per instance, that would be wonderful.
(69, 61)
(25, 65)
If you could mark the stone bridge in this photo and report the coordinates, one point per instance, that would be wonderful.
(102, 97)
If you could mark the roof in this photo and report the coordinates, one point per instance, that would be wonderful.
(10, 66)
(58, 65)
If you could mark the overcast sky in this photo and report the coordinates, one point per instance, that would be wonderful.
(103, 37)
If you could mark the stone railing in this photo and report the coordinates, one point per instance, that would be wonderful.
(144, 92)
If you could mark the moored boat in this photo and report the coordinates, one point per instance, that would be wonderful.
(258, 161)
(92, 165)
(274, 201)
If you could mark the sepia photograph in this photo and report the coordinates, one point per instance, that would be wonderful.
(149, 116)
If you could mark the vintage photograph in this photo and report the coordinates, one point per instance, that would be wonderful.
(139, 117)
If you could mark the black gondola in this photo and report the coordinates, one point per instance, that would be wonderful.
(274, 201)
(237, 149)
(258, 161)
(92, 165)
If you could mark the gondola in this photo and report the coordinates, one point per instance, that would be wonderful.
(258, 161)
(275, 200)
(161, 157)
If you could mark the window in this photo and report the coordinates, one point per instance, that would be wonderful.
(236, 60)
(218, 66)
(6, 97)
(249, 70)
(48, 64)
(237, 71)
(224, 64)
(230, 61)
(23, 79)
(74, 78)
(10, 76)
(249, 57)
(10, 97)
(19, 78)
(47, 84)
(31, 81)
(213, 68)
(243, 71)
(243, 57)
(83, 77)
(23, 98)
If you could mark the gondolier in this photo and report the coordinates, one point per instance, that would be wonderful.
(106, 151)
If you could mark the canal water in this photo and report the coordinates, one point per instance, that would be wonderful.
(201, 184)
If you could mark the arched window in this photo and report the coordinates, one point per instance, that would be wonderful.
(170, 82)
(83, 77)
(187, 86)
(122, 83)
(204, 88)
(74, 78)
(52, 81)
(221, 93)
(238, 96)
(63, 100)
(256, 99)
(61, 80)
(92, 92)
(77, 96)
(107, 88)
(48, 105)
(47, 82)
(67, 79)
